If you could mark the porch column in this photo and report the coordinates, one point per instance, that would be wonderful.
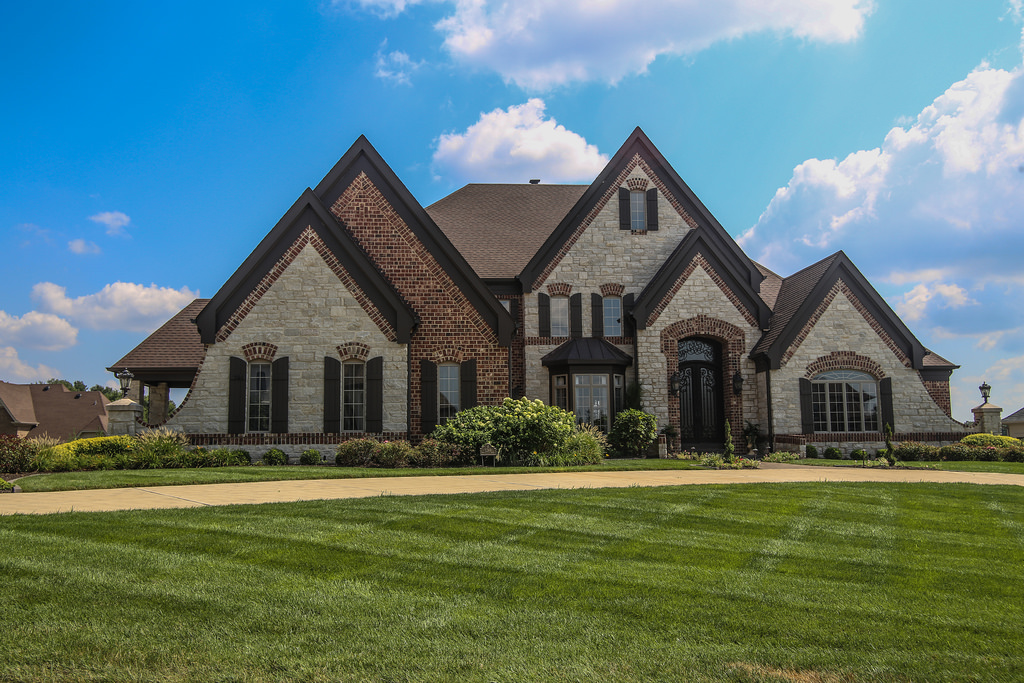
(159, 397)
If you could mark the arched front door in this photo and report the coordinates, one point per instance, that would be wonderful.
(701, 408)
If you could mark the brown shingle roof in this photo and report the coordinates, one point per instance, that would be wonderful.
(175, 345)
(934, 360)
(769, 286)
(792, 293)
(17, 399)
(60, 412)
(498, 228)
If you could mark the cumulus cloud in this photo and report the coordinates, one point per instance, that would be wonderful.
(516, 144)
(541, 44)
(118, 306)
(395, 66)
(80, 246)
(115, 221)
(13, 369)
(936, 209)
(43, 331)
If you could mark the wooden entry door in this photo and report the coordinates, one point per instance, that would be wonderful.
(701, 406)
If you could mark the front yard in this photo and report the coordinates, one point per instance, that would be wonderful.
(806, 582)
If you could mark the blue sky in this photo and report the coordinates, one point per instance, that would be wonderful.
(147, 148)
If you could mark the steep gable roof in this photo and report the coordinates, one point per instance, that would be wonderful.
(498, 228)
(363, 158)
(666, 279)
(638, 144)
(800, 295)
(307, 211)
(54, 410)
(16, 399)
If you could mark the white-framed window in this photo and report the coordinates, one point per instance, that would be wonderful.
(638, 210)
(559, 316)
(258, 404)
(447, 391)
(591, 398)
(612, 316)
(560, 391)
(845, 401)
(353, 396)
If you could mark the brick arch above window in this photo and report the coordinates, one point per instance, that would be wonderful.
(612, 289)
(449, 354)
(559, 289)
(701, 326)
(259, 351)
(637, 184)
(844, 360)
(354, 351)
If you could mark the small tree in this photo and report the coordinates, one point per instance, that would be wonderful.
(632, 433)
(888, 443)
(730, 450)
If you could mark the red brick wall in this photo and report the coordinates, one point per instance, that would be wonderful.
(449, 325)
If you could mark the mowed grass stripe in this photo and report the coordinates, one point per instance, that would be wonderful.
(869, 581)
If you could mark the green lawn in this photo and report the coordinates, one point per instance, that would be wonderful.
(952, 466)
(113, 479)
(808, 582)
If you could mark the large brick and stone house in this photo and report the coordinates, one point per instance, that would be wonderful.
(362, 312)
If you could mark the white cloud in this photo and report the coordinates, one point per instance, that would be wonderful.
(515, 145)
(118, 306)
(13, 369)
(540, 44)
(115, 221)
(936, 209)
(80, 246)
(43, 331)
(395, 66)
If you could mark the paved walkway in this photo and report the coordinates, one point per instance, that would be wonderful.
(289, 491)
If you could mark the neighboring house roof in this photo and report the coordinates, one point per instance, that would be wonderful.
(171, 354)
(800, 295)
(638, 144)
(56, 411)
(363, 158)
(1015, 418)
(307, 211)
(498, 228)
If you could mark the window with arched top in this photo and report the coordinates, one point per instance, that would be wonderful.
(845, 401)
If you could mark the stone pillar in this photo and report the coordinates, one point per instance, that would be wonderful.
(988, 418)
(135, 390)
(158, 401)
(121, 417)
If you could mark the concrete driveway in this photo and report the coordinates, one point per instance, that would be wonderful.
(289, 491)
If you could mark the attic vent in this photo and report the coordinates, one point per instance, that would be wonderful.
(535, 181)
(78, 396)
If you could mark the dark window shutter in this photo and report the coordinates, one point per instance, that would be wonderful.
(279, 396)
(375, 395)
(332, 395)
(544, 315)
(627, 316)
(885, 402)
(428, 396)
(467, 384)
(597, 315)
(624, 219)
(806, 408)
(576, 316)
(236, 395)
(652, 209)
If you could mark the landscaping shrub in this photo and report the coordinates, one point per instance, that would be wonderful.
(16, 453)
(99, 453)
(781, 456)
(310, 456)
(912, 451)
(356, 452)
(812, 451)
(859, 454)
(6, 485)
(157, 448)
(632, 433)
(991, 440)
(241, 457)
(958, 451)
(275, 457)
(522, 428)
(392, 454)
(719, 462)
(1013, 454)
(833, 453)
(434, 453)
(469, 429)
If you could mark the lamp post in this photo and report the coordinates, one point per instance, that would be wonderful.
(125, 378)
(986, 391)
